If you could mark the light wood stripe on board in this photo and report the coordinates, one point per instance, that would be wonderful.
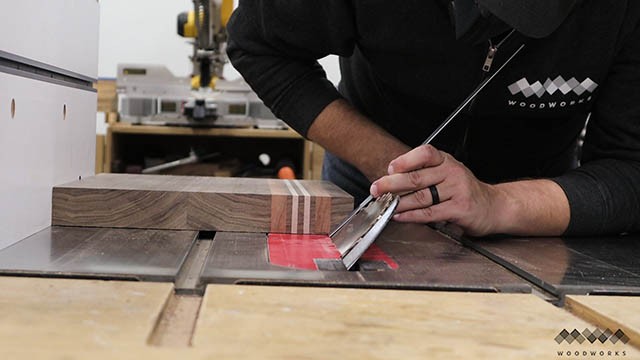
(306, 220)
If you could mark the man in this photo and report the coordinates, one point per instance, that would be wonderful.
(508, 163)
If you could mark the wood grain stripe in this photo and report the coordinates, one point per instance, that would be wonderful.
(306, 221)
(322, 205)
(294, 207)
(279, 214)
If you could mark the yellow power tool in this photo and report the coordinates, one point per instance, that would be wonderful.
(207, 25)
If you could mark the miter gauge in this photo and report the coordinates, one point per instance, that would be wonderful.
(361, 228)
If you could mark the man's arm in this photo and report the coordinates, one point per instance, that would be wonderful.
(345, 132)
(531, 207)
(604, 193)
(274, 44)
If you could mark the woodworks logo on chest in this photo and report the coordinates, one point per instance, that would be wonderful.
(550, 94)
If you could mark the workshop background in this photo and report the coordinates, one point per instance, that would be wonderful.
(153, 41)
(105, 255)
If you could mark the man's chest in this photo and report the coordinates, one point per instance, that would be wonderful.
(415, 53)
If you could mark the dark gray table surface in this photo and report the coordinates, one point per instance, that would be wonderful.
(598, 265)
(154, 255)
(426, 260)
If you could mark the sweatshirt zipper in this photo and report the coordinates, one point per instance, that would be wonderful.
(486, 69)
(491, 53)
(488, 62)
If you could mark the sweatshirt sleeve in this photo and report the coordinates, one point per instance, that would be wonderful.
(275, 45)
(604, 193)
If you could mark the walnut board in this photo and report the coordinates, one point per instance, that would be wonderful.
(612, 312)
(242, 322)
(201, 203)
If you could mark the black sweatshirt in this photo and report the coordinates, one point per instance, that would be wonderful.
(402, 67)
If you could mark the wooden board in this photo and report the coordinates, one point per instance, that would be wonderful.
(613, 312)
(124, 128)
(46, 318)
(201, 203)
(313, 160)
(100, 153)
(107, 96)
(320, 323)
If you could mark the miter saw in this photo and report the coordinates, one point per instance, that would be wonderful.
(207, 25)
(151, 94)
(233, 102)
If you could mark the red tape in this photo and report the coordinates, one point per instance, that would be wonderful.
(300, 251)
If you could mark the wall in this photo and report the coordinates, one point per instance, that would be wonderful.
(144, 31)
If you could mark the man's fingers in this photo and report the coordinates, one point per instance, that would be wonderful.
(407, 182)
(423, 198)
(421, 157)
(442, 212)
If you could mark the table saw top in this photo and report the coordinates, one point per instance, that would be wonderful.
(419, 258)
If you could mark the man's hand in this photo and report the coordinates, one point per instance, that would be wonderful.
(533, 207)
(464, 200)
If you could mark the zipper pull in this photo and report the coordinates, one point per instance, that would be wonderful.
(489, 60)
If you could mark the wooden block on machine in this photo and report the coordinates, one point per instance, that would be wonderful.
(238, 321)
(100, 153)
(201, 203)
(57, 318)
(612, 312)
(107, 95)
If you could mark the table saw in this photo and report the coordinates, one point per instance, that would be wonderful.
(230, 292)
(169, 268)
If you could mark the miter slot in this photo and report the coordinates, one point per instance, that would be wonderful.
(177, 321)
(188, 281)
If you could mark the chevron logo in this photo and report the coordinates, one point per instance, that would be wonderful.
(551, 86)
(592, 336)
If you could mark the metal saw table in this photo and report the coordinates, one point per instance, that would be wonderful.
(425, 259)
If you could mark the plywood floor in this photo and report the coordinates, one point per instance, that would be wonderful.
(80, 319)
(58, 318)
(310, 323)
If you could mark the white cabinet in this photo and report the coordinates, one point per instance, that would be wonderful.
(47, 128)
